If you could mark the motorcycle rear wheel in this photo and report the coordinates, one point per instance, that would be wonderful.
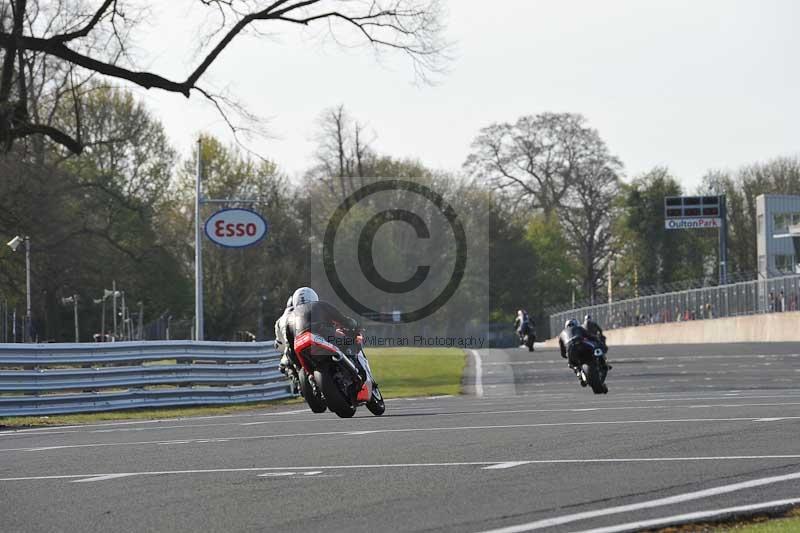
(315, 401)
(336, 399)
(592, 373)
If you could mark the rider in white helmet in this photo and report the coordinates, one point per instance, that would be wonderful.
(280, 336)
(310, 313)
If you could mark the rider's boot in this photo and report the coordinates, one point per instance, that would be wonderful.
(284, 364)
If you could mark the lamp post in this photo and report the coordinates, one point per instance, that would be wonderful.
(74, 301)
(14, 244)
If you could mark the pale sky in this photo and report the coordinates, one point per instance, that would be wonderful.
(692, 85)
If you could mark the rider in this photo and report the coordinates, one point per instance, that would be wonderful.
(308, 312)
(594, 330)
(280, 337)
(522, 323)
(571, 333)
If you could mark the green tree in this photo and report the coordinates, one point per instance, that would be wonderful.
(658, 256)
(239, 284)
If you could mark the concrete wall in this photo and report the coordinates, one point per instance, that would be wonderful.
(771, 327)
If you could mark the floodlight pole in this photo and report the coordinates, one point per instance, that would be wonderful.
(28, 315)
(723, 241)
(198, 251)
(75, 315)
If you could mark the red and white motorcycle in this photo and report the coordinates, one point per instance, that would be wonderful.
(332, 370)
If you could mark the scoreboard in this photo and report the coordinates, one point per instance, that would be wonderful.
(692, 212)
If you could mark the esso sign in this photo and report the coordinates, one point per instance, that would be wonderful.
(236, 228)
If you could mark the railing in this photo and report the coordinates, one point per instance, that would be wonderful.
(41, 379)
(736, 299)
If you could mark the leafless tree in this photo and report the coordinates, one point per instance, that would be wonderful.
(588, 213)
(532, 160)
(556, 163)
(343, 155)
(84, 37)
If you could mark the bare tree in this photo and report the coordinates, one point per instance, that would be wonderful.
(91, 37)
(343, 153)
(555, 163)
(588, 214)
(532, 160)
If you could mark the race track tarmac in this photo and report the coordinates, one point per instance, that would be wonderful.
(684, 429)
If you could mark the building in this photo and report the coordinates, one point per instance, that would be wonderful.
(778, 235)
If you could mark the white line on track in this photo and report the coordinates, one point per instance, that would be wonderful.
(113, 475)
(101, 478)
(393, 430)
(503, 466)
(311, 418)
(478, 373)
(693, 517)
(660, 502)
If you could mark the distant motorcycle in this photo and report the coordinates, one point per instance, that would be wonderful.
(327, 368)
(593, 369)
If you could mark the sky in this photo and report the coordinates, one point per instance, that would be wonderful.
(691, 85)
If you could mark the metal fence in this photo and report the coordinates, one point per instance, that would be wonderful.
(736, 299)
(41, 379)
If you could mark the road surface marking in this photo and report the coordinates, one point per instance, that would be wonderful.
(417, 465)
(692, 517)
(478, 373)
(768, 419)
(660, 502)
(101, 478)
(381, 431)
(502, 466)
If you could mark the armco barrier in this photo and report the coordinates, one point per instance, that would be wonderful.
(41, 379)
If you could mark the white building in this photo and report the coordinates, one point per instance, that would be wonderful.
(778, 235)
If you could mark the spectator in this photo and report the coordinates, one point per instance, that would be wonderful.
(771, 302)
(782, 302)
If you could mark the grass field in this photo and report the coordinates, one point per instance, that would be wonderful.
(404, 372)
(401, 372)
(786, 523)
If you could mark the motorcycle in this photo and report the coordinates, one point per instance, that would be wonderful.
(593, 369)
(343, 384)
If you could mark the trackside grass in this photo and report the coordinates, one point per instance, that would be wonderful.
(407, 372)
(401, 372)
(786, 523)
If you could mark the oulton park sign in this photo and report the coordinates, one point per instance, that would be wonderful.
(692, 223)
(693, 212)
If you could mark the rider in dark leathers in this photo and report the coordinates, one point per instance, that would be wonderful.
(568, 338)
(594, 330)
(523, 323)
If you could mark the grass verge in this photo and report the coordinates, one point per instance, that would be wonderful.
(785, 523)
(401, 372)
(405, 372)
(139, 414)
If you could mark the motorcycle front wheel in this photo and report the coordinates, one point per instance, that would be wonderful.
(376, 405)
(315, 401)
(334, 396)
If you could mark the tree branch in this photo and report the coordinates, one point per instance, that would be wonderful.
(83, 32)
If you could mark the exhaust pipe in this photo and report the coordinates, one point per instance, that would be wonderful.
(339, 357)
